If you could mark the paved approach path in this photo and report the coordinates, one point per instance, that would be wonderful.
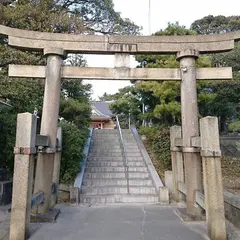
(121, 222)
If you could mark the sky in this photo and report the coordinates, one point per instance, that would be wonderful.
(185, 12)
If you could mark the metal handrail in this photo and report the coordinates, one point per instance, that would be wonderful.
(124, 153)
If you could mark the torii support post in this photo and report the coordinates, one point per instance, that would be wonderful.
(45, 162)
(177, 163)
(212, 175)
(190, 128)
(23, 176)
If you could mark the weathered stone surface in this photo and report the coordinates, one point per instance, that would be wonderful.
(187, 53)
(141, 45)
(212, 175)
(45, 163)
(50, 217)
(200, 199)
(168, 176)
(182, 187)
(54, 51)
(158, 74)
(23, 177)
(186, 216)
(74, 195)
(177, 162)
(56, 167)
(190, 128)
(115, 44)
(164, 195)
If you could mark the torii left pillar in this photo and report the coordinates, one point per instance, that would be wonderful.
(49, 121)
(190, 128)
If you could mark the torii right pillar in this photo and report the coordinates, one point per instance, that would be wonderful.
(190, 128)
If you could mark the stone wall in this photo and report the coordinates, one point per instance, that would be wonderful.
(232, 208)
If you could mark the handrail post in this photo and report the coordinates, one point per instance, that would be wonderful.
(124, 153)
(23, 176)
(212, 174)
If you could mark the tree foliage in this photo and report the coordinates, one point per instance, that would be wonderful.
(26, 95)
(66, 16)
(216, 25)
(221, 99)
(72, 151)
(168, 109)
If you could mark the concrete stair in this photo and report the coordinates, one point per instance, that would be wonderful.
(123, 198)
(105, 179)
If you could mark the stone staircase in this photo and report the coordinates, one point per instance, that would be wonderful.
(105, 178)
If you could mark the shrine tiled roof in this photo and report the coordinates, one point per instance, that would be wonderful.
(101, 109)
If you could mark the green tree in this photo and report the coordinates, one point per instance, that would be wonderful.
(100, 16)
(168, 109)
(220, 98)
(216, 25)
(161, 99)
(124, 103)
(27, 94)
(71, 16)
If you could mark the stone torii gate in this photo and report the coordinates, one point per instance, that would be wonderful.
(56, 46)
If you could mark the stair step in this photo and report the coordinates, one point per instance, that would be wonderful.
(107, 154)
(104, 158)
(115, 154)
(107, 147)
(131, 150)
(134, 154)
(140, 175)
(114, 164)
(124, 198)
(114, 169)
(103, 150)
(116, 181)
(118, 190)
(105, 176)
(101, 158)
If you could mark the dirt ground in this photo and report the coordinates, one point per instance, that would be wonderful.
(231, 174)
(230, 171)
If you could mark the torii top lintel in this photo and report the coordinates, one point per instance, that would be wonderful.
(72, 43)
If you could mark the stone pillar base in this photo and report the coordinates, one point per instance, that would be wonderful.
(49, 217)
(187, 217)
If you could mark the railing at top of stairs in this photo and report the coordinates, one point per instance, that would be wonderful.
(124, 153)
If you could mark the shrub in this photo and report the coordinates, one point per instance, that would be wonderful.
(158, 139)
(74, 140)
(7, 140)
(234, 126)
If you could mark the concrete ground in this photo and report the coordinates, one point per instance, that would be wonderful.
(121, 222)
